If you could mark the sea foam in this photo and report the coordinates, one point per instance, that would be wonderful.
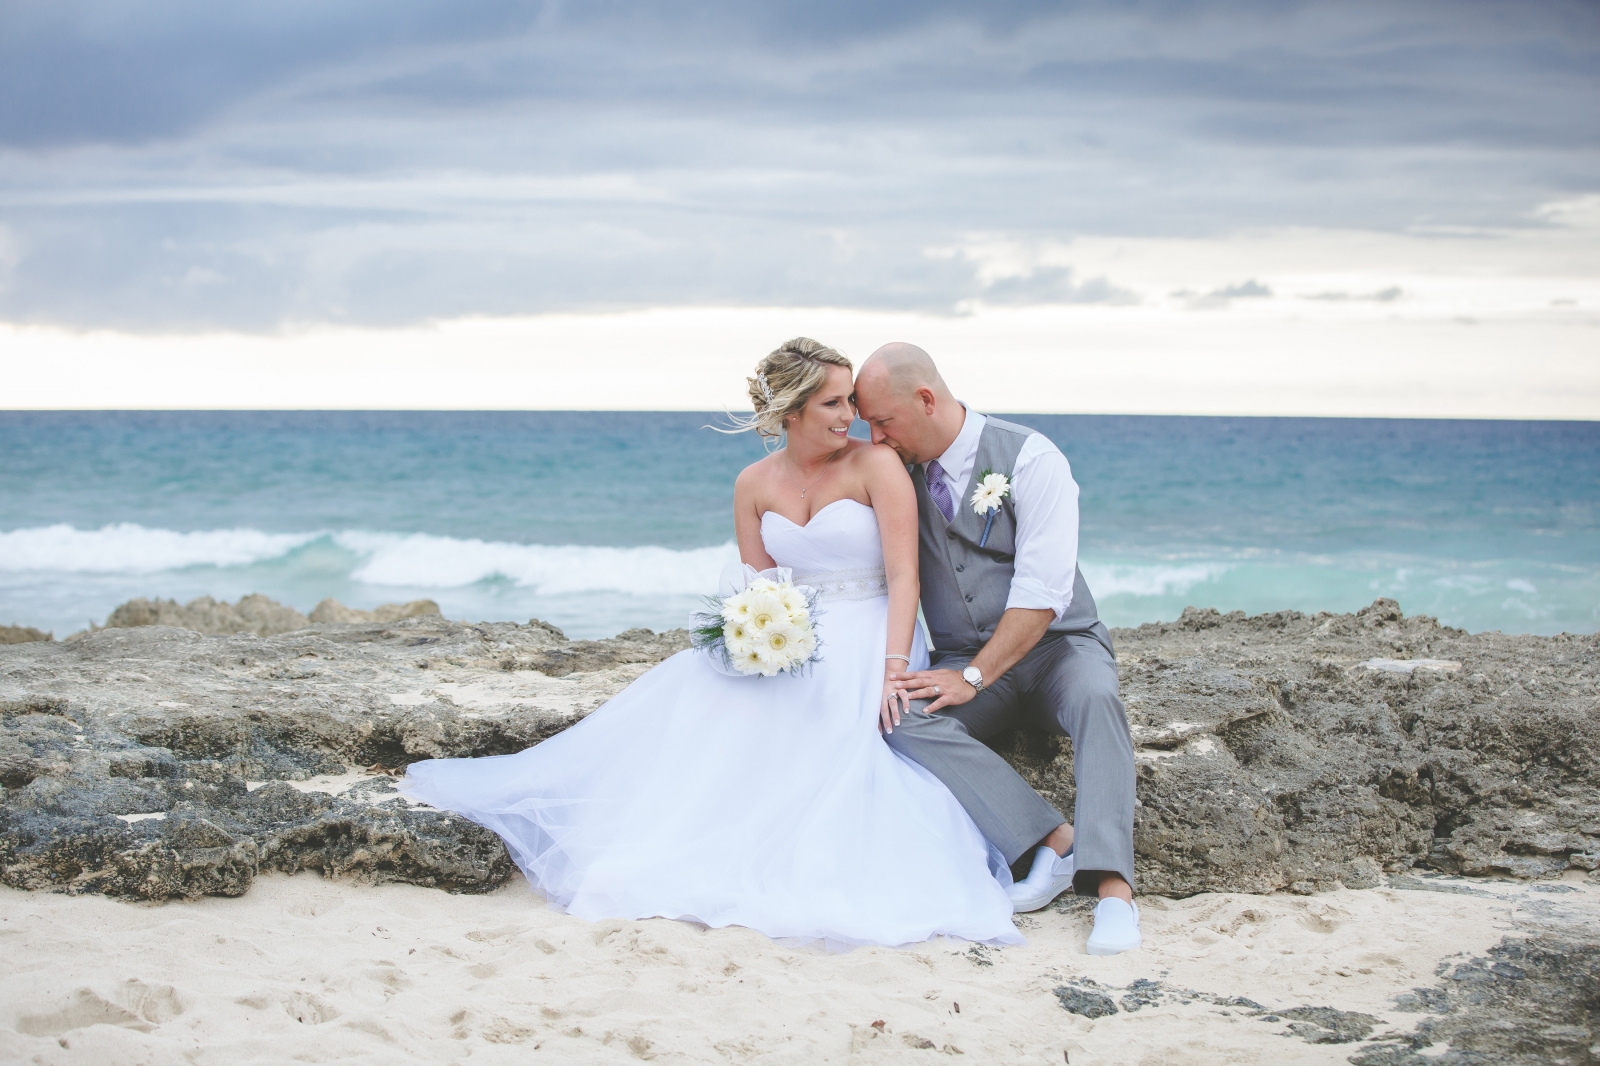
(427, 561)
(1157, 579)
(414, 560)
(133, 549)
(423, 561)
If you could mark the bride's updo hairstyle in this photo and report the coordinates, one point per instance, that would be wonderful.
(789, 376)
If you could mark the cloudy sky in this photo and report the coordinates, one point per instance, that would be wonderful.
(228, 204)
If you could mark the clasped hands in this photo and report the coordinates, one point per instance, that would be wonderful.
(945, 688)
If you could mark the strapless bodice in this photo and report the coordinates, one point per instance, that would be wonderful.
(841, 536)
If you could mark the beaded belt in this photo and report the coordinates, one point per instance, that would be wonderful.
(864, 584)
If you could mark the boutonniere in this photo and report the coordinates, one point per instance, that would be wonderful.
(986, 497)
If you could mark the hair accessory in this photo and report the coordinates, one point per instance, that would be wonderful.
(766, 390)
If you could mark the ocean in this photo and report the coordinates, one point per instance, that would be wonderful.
(599, 521)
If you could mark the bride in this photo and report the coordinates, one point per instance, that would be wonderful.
(766, 802)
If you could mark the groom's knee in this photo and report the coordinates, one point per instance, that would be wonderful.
(917, 729)
(1083, 694)
(912, 721)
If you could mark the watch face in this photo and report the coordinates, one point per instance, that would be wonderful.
(972, 675)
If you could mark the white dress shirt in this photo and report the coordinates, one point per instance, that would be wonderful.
(1045, 499)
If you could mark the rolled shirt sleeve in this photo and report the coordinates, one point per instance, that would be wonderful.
(1045, 500)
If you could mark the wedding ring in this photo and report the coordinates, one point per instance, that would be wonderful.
(936, 690)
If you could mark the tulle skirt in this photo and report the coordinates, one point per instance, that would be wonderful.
(770, 803)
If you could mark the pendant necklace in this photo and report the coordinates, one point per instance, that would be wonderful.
(819, 477)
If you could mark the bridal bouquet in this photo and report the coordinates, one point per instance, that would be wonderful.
(762, 628)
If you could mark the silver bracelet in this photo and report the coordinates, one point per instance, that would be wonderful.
(907, 658)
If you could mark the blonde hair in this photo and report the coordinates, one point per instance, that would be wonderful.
(785, 380)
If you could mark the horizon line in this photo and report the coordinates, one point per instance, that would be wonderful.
(1323, 416)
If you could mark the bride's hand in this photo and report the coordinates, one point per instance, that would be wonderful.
(943, 688)
(891, 705)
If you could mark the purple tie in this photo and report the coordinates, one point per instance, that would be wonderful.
(940, 492)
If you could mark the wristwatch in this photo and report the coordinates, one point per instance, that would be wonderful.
(974, 677)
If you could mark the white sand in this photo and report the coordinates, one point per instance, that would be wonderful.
(305, 970)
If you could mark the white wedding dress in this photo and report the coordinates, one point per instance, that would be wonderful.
(766, 802)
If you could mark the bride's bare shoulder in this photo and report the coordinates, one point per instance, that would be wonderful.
(754, 476)
(877, 459)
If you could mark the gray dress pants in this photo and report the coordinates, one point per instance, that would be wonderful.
(1066, 685)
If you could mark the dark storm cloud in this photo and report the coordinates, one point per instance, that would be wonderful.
(188, 164)
(86, 72)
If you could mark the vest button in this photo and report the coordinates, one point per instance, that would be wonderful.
(969, 599)
(960, 567)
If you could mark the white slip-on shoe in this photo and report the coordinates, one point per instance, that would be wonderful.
(1050, 876)
(1116, 927)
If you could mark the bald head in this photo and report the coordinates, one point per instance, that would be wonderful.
(902, 369)
(900, 394)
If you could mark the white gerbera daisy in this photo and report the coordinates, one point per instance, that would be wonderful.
(737, 639)
(736, 608)
(988, 493)
(750, 661)
(766, 609)
(779, 640)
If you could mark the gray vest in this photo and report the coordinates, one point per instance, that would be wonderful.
(965, 587)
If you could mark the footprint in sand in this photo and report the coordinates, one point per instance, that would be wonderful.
(1320, 923)
(144, 1008)
(308, 1008)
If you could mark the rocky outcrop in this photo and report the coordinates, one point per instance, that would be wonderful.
(1281, 751)
(1531, 1000)
(21, 635)
(332, 611)
(252, 614)
(1295, 751)
(153, 762)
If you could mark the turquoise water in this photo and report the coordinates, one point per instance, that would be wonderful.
(598, 521)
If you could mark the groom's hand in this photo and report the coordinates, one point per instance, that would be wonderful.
(943, 688)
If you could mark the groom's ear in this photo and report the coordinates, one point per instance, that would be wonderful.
(927, 399)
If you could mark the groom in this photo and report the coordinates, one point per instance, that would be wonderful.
(1016, 639)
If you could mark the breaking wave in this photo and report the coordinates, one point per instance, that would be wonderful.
(1149, 580)
(415, 560)
(419, 560)
(60, 577)
(132, 549)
